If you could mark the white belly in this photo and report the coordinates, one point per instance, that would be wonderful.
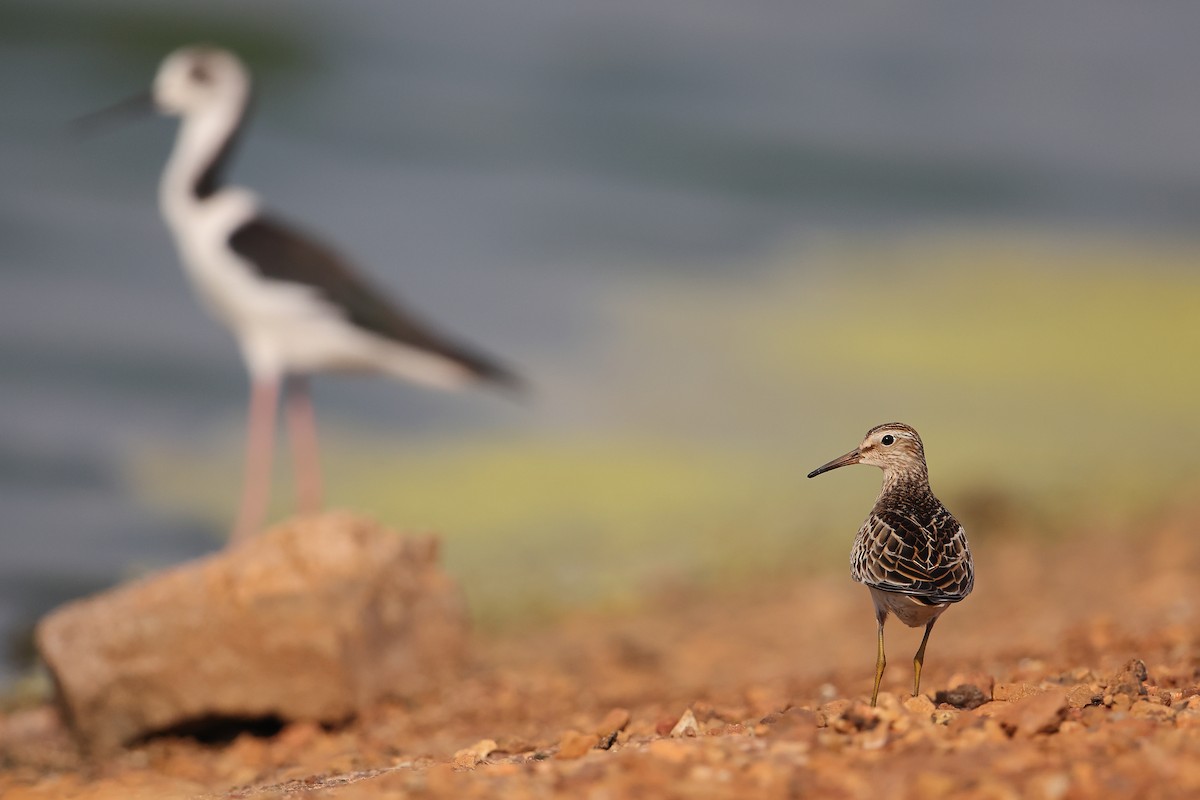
(905, 607)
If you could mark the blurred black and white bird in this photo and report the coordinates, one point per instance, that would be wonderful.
(911, 552)
(294, 305)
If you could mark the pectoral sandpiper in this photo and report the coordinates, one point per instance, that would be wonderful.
(911, 552)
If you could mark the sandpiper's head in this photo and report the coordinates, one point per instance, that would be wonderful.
(197, 77)
(893, 447)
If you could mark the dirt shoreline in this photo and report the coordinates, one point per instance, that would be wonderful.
(755, 692)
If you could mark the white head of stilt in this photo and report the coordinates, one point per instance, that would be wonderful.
(208, 89)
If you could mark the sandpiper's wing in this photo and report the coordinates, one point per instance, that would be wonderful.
(928, 560)
(281, 253)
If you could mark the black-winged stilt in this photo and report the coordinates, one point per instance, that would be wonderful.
(294, 305)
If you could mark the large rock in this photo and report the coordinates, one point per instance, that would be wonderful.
(313, 620)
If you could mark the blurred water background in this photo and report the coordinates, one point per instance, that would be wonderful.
(722, 239)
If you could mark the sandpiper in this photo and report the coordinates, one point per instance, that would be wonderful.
(294, 305)
(911, 552)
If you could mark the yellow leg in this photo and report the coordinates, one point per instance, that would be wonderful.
(919, 658)
(880, 662)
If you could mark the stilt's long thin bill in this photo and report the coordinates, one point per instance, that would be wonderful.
(127, 110)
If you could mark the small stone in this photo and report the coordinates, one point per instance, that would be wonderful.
(515, 744)
(831, 711)
(888, 706)
(1084, 695)
(944, 716)
(469, 757)
(919, 705)
(980, 680)
(484, 748)
(1148, 710)
(1130, 679)
(576, 745)
(964, 696)
(1011, 692)
(613, 721)
(1040, 713)
(686, 726)
(1122, 701)
(858, 717)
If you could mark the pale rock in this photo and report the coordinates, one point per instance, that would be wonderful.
(312, 620)
(686, 726)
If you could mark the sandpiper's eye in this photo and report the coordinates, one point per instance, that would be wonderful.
(888, 439)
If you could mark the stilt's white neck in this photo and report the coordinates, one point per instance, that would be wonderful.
(201, 148)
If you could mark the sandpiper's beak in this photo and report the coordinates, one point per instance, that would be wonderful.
(853, 457)
(139, 105)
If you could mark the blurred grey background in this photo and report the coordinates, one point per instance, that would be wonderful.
(541, 177)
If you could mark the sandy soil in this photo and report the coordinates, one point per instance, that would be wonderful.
(1083, 655)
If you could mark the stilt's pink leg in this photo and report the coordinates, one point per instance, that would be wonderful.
(260, 442)
(302, 430)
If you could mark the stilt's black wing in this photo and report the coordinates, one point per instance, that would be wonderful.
(280, 253)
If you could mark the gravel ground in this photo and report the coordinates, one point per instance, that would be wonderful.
(1073, 671)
